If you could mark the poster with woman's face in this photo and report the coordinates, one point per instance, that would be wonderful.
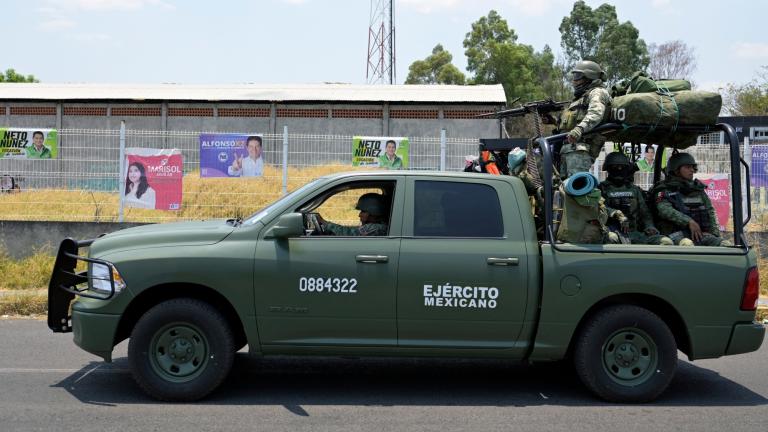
(153, 179)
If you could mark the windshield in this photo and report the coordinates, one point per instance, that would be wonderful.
(259, 215)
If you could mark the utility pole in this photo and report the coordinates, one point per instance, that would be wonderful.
(381, 43)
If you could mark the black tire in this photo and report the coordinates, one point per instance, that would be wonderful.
(626, 354)
(181, 350)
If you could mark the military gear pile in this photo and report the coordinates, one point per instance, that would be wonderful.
(640, 82)
(660, 113)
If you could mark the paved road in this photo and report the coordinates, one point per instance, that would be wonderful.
(48, 384)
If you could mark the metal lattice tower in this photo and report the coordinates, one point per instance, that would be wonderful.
(381, 43)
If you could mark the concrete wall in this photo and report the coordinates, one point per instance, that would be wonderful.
(22, 238)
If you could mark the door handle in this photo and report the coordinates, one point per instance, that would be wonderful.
(503, 261)
(372, 259)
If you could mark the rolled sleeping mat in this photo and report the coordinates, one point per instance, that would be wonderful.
(580, 184)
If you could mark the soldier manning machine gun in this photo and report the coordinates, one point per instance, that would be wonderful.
(494, 156)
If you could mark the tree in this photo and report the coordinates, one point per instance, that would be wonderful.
(673, 59)
(750, 99)
(10, 75)
(435, 69)
(597, 35)
(495, 57)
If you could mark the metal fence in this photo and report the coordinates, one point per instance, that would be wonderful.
(82, 183)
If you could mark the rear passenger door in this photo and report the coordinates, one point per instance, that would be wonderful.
(462, 279)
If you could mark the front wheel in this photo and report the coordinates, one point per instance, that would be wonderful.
(626, 354)
(181, 350)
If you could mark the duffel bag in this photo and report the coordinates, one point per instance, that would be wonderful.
(655, 117)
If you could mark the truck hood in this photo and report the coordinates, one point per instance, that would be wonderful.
(163, 235)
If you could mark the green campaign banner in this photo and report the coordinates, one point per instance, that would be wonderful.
(382, 152)
(28, 143)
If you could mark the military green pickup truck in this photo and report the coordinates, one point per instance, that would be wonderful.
(460, 272)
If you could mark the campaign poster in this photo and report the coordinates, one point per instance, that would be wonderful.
(231, 155)
(719, 192)
(29, 143)
(758, 174)
(153, 179)
(382, 152)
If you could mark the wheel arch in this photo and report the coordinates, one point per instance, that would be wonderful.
(160, 293)
(657, 305)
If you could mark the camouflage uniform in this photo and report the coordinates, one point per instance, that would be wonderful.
(628, 198)
(583, 115)
(677, 202)
(374, 205)
(369, 229)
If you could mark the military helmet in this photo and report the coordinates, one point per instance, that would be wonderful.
(679, 159)
(616, 158)
(371, 203)
(589, 70)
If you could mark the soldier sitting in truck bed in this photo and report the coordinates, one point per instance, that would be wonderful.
(685, 212)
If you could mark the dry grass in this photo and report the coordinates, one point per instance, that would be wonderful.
(203, 198)
(23, 303)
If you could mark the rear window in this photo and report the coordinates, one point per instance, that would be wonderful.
(452, 209)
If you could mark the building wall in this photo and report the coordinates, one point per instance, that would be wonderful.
(310, 118)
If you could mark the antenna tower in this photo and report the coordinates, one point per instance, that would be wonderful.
(381, 43)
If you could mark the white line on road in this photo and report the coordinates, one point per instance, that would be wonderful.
(31, 370)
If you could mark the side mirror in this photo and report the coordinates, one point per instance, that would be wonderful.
(288, 225)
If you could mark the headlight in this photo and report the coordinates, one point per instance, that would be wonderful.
(100, 279)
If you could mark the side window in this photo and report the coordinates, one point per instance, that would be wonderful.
(361, 208)
(454, 209)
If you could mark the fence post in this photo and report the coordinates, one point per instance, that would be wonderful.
(285, 160)
(442, 149)
(120, 177)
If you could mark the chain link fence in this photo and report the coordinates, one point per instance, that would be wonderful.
(82, 183)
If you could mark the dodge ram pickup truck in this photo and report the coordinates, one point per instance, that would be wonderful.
(459, 272)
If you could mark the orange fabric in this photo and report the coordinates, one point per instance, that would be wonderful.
(490, 167)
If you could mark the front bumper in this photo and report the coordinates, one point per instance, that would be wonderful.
(95, 332)
(746, 338)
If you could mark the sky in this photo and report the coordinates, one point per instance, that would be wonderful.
(316, 41)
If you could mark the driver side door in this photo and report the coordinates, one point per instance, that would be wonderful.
(330, 290)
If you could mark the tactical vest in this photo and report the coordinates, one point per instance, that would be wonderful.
(692, 206)
(575, 112)
(623, 199)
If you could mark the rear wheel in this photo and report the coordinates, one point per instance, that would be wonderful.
(626, 354)
(181, 350)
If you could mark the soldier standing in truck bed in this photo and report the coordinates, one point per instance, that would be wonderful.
(591, 100)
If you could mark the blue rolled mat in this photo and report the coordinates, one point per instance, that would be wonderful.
(580, 184)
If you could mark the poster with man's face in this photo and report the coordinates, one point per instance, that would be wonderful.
(28, 143)
(231, 155)
(153, 179)
(382, 152)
